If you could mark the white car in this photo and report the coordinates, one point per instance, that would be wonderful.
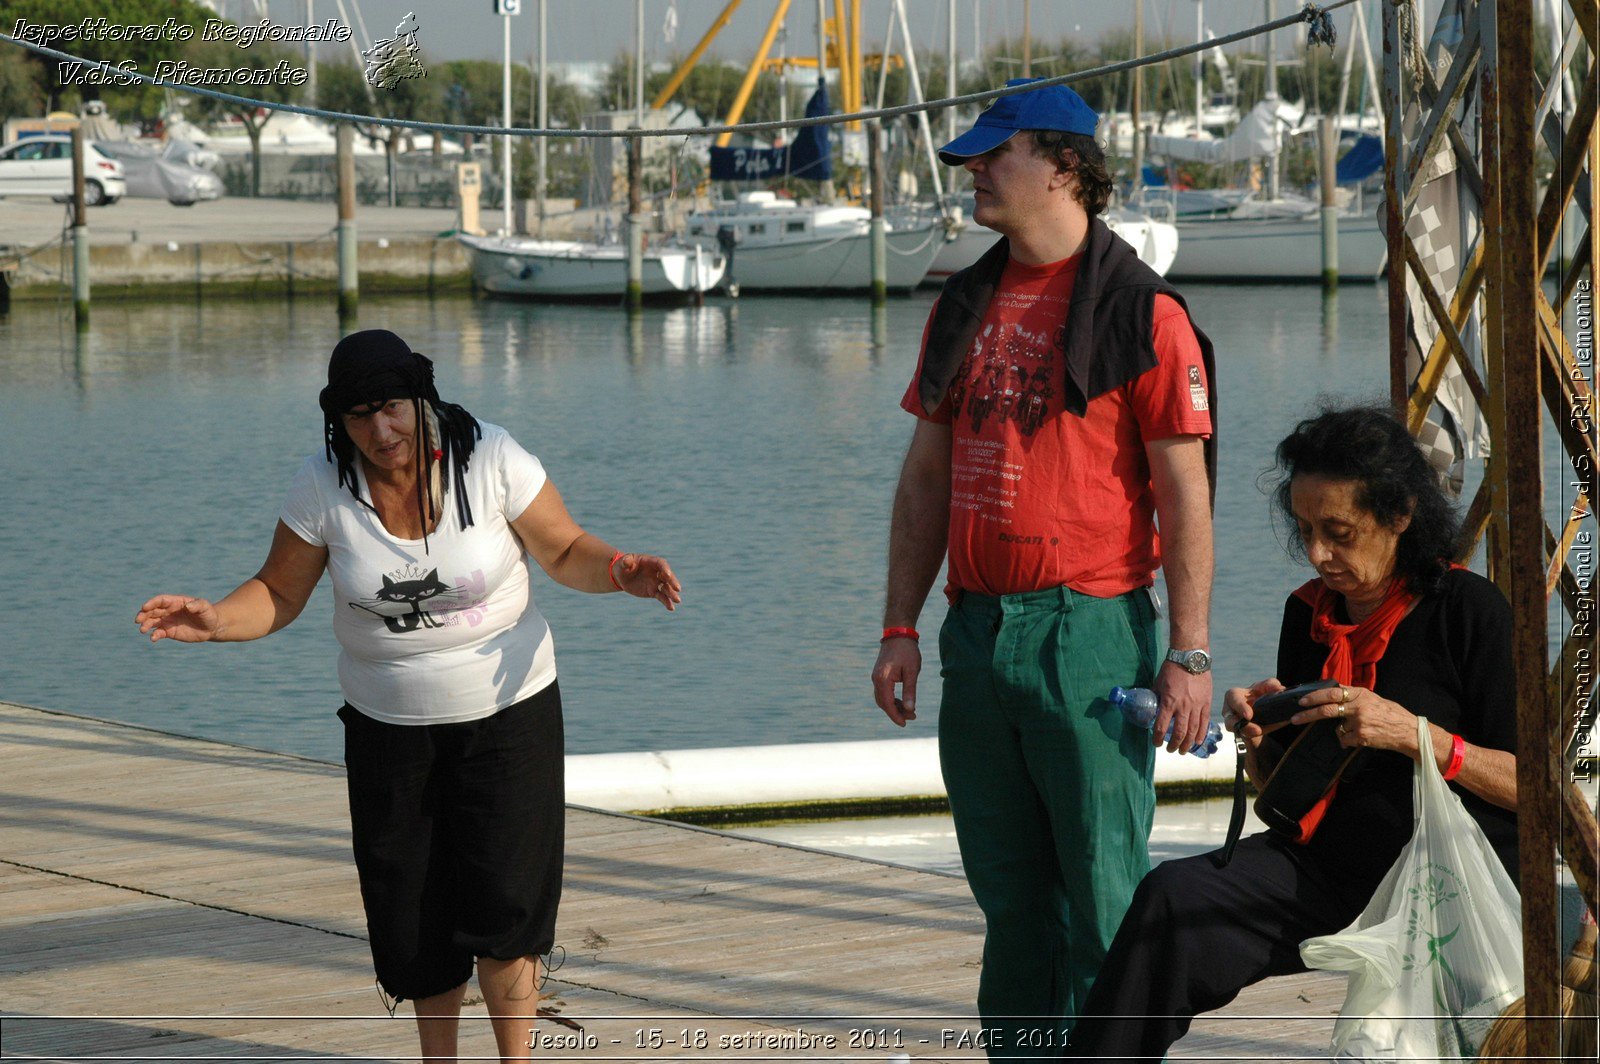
(42, 166)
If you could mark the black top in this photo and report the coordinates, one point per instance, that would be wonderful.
(1449, 660)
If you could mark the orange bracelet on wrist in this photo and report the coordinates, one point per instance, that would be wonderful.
(1458, 754)
(899, 633)
(610, 570)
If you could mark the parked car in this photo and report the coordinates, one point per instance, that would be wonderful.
(153, 174)
(42, 166)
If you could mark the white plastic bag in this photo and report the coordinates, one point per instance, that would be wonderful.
(1436, 955)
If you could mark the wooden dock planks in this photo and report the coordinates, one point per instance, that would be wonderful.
(163, 897)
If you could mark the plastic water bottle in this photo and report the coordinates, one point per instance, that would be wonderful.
(1140, 706)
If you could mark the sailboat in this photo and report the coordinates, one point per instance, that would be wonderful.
(776, 244)
(1155, 242)
(1243, 235)
(526, 267)
(779, 245)
(572, 269)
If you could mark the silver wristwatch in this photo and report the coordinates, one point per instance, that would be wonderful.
(1195, 661)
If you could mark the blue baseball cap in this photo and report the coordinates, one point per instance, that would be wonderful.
(1053, 107)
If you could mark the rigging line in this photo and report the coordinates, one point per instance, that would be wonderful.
(1317, 17)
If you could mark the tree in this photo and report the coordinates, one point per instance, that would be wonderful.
(59, 79)
(22, 88)
(710, 89)
(343, 86)
(274, 89)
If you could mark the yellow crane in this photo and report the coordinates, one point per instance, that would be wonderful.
(843, 33)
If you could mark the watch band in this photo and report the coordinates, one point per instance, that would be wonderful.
(1195, 661)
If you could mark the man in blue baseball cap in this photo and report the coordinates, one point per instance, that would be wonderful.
(1064, 403)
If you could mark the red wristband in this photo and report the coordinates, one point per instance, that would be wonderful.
(899, 633)
(610, 565)
(1458, 754)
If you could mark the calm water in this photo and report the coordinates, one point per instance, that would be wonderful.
(755, 444)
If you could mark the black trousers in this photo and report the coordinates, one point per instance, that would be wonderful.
(1195, 935)
(458, 832)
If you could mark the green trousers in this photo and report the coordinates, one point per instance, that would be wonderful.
(1051, 793)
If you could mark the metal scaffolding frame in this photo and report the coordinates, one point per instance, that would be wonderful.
(1483, 129)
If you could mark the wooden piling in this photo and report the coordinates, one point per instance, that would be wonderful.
(880, 263)
(633, 298)
(349, 272)
(1327, 152)
(80, 235)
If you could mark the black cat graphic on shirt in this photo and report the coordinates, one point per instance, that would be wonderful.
(399, 602)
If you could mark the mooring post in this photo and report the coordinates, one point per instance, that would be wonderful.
(349, 274)
(1328, 150)
(880, 263)
(80, 235)
(634, 296)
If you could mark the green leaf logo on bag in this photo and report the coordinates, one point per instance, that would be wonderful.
(1433, 886)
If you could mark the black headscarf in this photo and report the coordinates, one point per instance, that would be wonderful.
(372, 367)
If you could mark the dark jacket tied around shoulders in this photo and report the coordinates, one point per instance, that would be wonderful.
(1106, 340)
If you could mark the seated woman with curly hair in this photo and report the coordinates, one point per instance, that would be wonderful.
(1405, 634)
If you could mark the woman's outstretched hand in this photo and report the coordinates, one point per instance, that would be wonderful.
(648, 576)
(180, 617)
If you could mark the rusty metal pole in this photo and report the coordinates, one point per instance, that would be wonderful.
(1394, 198)
(80, 235)
(1539, 765)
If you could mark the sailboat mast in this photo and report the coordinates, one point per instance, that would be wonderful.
(826, 192)
(1199, 68)
(1272, 96)
(950, 76)
(505, 141)
(1137, 96)
(916, 95)
(638, 63)
(1027, 39)
(544, 116)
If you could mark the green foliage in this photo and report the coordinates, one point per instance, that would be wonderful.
(522, 164)
(137, 102)
(710, 89)
(22, 88)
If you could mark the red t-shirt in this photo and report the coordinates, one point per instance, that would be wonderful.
(1040, 497)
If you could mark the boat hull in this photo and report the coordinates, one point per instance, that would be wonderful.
(1155, 242)
(835, 263)
(1275, 250)
(552, 269)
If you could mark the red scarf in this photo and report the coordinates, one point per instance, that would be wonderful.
(1354, 650)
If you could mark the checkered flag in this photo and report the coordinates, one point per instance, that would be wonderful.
(1444, 221)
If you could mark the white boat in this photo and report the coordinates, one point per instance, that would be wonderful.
(780, 245)
(1275, 249)
(1155, 241)
(569, 269)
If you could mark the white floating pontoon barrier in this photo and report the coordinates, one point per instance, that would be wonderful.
(800, 773)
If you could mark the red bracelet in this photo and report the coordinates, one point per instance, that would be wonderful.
(899, 633)
(1458, 754)
(609, 566)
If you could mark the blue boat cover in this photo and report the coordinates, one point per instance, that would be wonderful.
(1363, 160)
(806, 156)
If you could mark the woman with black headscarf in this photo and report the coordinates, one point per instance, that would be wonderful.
(424, 518)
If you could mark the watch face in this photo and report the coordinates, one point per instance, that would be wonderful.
(1197, 661)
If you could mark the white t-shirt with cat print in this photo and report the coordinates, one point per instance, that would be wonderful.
(441, 636)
